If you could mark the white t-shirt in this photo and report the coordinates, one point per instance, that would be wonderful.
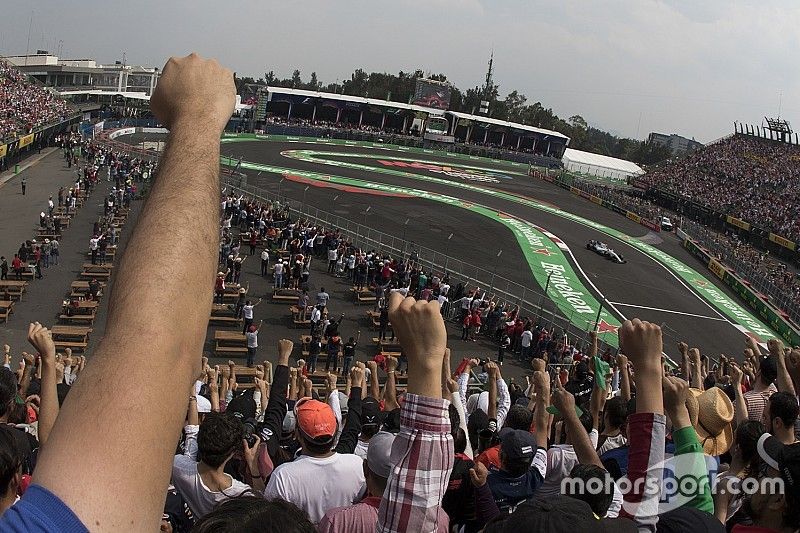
(248, 311)
(93, 244)
(444, 288)
(561, 459)
(264, 256)
(527, 337)
(252, 339)
(316, 314)
(318, 484)
(612, 443)
(361, 449)
(279, 268)
(189, 484)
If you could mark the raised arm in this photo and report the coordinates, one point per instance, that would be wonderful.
(138, 416)
(390, 387)
(41, 339)
(624, 377)
(413, 497)
(785, 382)
(541, 418)
(741, 406)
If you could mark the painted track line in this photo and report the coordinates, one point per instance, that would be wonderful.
(669, 311)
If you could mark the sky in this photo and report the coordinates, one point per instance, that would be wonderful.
(630, 67)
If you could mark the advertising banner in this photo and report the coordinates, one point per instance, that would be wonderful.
(25, 140)
(633, 216)
(596, 199)
(650, 225)
(3, 150)
(786, 243)
(717, 268)
(739, 223)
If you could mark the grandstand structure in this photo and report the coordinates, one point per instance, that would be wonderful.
(30, 115)
(408, 119)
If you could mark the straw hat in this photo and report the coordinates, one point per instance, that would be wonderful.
(714, 416)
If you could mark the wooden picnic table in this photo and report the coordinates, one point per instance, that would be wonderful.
(98, 267)
(229, 342)
(71, 333)
(13, 288)
(6, 308)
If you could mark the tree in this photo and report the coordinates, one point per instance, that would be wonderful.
(269, 77)
(313, 84)
(297, 81)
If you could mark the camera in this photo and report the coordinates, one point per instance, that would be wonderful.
(254, 429)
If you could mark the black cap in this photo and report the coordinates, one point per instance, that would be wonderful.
(517, 444)
(685, 519)
(371, 414)
(785, 459)
(581, 370)
(242, 406)
(550, 514)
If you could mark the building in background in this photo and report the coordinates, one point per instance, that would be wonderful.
(679, 145)
(69, 75)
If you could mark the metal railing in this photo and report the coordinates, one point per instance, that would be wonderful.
(779, 297)
(531, 299)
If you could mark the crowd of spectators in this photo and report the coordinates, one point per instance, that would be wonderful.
(754, 179)
(621, 444)
(24, 106)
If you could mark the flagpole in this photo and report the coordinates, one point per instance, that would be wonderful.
(597, 319)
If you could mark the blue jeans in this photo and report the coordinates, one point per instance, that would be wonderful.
(348, 362)
(251, 356)
(312, 363)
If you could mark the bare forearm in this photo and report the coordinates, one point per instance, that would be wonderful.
(390, 392)
(152, 283)
(625, 383)
(374, 386)
(48, 409)
(580, 441)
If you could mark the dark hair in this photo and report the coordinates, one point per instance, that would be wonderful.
(617, 411)
(8, 390)
(254, 514)
(783, 405)
(768, 370)
(746, 438)
(477, 422)
(519, 417)
(314, 447)
(10, 460)
(599, 502)
(219, 436)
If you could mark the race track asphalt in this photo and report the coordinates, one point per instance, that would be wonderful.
(641, 283)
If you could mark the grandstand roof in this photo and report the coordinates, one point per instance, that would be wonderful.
(579, 157)
(355, 99)
(507, 124)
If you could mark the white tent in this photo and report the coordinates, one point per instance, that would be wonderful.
(599, 165)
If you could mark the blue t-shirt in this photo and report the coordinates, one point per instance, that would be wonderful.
(39, 510)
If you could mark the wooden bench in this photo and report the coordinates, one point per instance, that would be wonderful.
(278, 296)
(229, 342)
(95, 275)
(225, 320)
(6, 308)
(363, 296)
(13, 289)
(74, 345)
(77, 318)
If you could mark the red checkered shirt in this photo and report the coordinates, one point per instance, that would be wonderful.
(423, 460)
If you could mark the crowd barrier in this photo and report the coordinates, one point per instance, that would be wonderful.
(778, 320)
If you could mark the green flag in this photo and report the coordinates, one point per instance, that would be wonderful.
(601, 369)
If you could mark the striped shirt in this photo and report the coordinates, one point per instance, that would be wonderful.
(757, 401)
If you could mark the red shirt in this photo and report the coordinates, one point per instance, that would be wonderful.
(16, 264)
(467, 320)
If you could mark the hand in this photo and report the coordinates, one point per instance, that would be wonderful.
(538, 365)
(260, 384)
(478, 475)
(6, 348)
(373, 367)
(642, 343)
(166, 527)
(250, 454)
(356, 375)
(391, 364)
(675, 391)
(41, 339)
(420, 329)
(332, 382)
(259, 372)
(196, 90)
(285, 347)
(622, 361)
(564, 401)
(541, 386)
(736, 374)
(751, 343)
(775, 347)
(67, 360)
(226, 372)
(28, 359)
(683, 348)
(211, 373)
(307, 386)
(694, 355)
(492, 369)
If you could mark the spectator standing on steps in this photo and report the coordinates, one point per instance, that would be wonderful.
(24, 183)
(252, 343)
(247, 313)
(94, 246)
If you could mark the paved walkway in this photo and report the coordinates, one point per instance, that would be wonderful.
(19, 216)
